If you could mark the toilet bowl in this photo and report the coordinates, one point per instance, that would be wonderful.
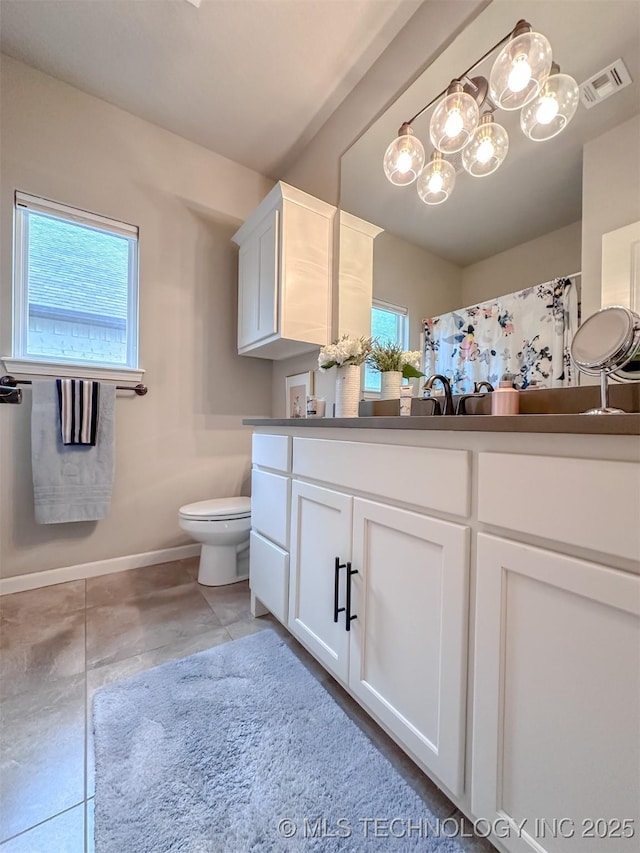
(222, 525)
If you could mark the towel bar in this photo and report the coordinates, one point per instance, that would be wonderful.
(14, 395)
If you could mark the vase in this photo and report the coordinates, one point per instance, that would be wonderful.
(347, 390)
(390, 382)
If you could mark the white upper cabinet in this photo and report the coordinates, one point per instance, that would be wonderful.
(257, 274)
(285, 275)
(355, 275)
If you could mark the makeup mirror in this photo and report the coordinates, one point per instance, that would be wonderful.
(608, 344)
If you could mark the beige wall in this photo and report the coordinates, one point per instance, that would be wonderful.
(184, 441)
(530, 263)
(610, 199)
(409, 275)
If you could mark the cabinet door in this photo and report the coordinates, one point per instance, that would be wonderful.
(258, 283)
(409, 641)
(556, 706)
(320, 532)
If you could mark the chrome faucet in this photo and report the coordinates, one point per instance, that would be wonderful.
(448, 399)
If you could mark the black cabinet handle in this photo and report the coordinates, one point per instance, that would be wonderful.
(337, 609)
(348, 617)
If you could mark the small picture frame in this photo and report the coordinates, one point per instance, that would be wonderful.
(297, 388)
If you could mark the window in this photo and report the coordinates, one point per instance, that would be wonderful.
(75, 289)
(389, 325)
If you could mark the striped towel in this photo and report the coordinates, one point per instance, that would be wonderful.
(79, 403)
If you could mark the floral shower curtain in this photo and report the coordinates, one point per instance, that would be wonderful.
(527, 333)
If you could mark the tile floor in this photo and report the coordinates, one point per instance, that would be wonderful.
(60, 643)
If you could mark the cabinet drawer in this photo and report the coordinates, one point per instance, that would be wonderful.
(271, 451)
(431, 478)
(592, 503)
(269, 575)
(270, 506)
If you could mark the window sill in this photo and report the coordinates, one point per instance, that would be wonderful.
(31, 367)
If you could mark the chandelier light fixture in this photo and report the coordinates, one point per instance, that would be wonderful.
(404, 158)
(520, 68)
(487, 149)
(523, 77)
(552, 110)
(454, 120)
(436, 180)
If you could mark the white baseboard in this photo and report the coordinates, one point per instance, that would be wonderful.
(19, 583)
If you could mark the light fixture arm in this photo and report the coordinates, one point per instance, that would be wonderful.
(466, 73)
(521, 28)
(478, 88)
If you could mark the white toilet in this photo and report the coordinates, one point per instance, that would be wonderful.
(222, 525)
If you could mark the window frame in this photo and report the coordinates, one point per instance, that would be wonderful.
(20, 361)
(403, 312)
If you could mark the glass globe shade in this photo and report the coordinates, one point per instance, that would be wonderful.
(404, 158)
(487, 149)
(437, 180)
(520, 70)
(553, 109)
(453, 121)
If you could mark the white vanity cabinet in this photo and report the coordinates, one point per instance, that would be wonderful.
(556, 710)
(408, 647)
(320, 535)
(379, 595)
(556, 707)
(270, 505)
(285, 274)
(494, 631)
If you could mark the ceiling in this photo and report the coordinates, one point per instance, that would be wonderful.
(538, 188)
(253, 80)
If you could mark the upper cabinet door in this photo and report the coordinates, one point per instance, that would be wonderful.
(285, 275)
(258, 282)
(320, 532)
(556, 704)
(408, 662)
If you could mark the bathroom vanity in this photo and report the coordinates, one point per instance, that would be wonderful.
(477, 590)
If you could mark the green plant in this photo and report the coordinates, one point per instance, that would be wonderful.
(387, 357)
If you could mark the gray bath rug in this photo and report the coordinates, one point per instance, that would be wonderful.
(241, 750)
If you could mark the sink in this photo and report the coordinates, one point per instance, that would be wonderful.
(543, 401)
(473, 405)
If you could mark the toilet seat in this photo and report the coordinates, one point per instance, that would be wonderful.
(217, 509)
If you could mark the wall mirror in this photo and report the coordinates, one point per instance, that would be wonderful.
(522, 225)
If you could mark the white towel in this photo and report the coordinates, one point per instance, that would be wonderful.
(70, 483)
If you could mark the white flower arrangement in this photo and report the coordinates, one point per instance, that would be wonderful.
(412, 358)
(345, 350)
(388, 357)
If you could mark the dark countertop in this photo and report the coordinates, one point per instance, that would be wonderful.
(584, 424)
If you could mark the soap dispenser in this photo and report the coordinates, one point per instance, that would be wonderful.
(504, 400)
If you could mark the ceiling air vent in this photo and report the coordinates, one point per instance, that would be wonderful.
(604, 84)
